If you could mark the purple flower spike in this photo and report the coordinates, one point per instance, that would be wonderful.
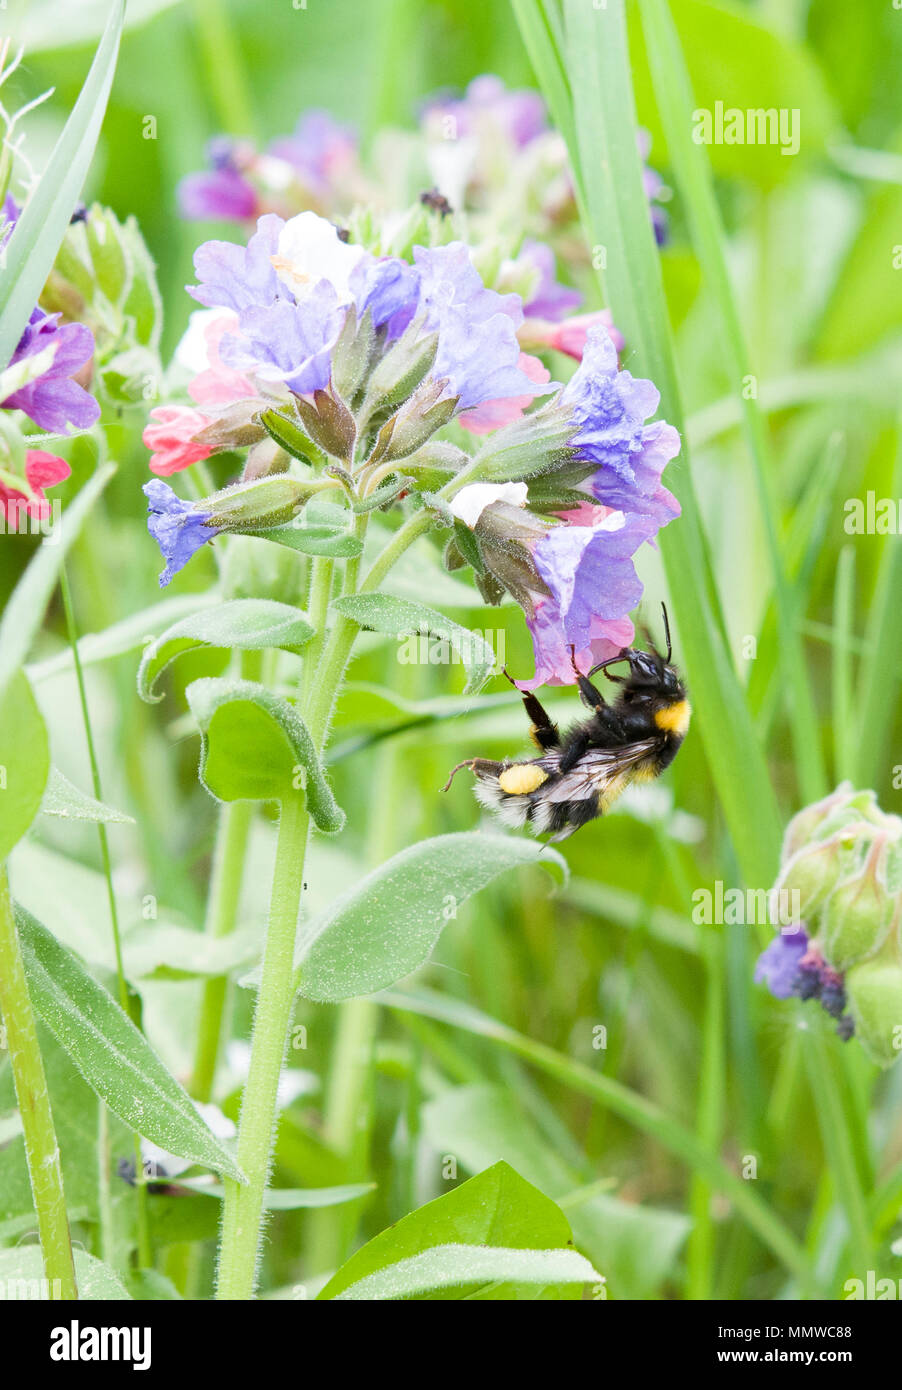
(778, 965)
(178, 528)
(53, 401)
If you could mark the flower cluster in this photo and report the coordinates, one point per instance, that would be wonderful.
(842, 871)
(485, 168)
(338, 368)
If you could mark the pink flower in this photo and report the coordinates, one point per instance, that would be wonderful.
(42, 470)
(492, 415)
(172, 439)
(219, 384)
(569, 336)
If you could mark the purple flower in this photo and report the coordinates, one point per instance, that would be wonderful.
(390, 289)
(179, 528)
(222, 195)
(318, 149)
(610, 408)
(778, 965)
(236, 277)
(519, 115)
(550, 300)
(588, 569)
(52, 400)
(289, 342)
(478, 352)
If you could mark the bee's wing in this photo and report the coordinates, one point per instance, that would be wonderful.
(596, 772)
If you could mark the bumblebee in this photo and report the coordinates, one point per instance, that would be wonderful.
(582, 772)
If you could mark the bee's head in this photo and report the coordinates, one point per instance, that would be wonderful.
(650, 673)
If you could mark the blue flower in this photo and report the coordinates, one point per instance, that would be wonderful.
(778, 965)
(236, 277)
(52, 399)
(478, 352)
(609, 411)
(390, 289)
(179, 528)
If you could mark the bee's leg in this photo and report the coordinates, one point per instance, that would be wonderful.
(481, 766)
(577, 745)
(591, 697)
(544, 731)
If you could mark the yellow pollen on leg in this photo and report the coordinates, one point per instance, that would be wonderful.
(521, 779)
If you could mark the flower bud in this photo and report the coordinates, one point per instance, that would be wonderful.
(874, 991)
(108, 258)
(807, 881)
(857, 915)
(803, 827)
(257, 505)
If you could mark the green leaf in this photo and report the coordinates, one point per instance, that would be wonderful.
(25, 610)
(62, 798)
(38, 234)
(291, 1198)
(245, 624)
(24, 761)
(451, 1266)
(256, 747)
(385, 927)
(161, 951)
(497, 1211)
(96, 1281)
(113, 1057)
(401, 618)
(314, 540)
(124, 636)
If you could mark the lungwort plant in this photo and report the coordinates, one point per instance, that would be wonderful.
(447, 405)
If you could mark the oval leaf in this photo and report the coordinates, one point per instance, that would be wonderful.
(401, 618)
(24, 761)
(248, 624)
(386, 926)
(114, 1058)
(256, 747)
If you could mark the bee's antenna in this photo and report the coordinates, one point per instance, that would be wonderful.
(667, 633)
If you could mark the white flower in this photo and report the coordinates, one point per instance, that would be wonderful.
(472, 500)
(310, 250)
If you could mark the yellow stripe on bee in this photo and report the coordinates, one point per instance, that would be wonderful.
(521, 779)
(674, 719)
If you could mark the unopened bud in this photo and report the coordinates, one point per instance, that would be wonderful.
(812, 873)
(874, 991)
(257, 505)
(858, 913)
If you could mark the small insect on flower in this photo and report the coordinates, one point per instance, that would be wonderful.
(582, 772)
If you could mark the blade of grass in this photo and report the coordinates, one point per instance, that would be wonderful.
(38, 234)
(843, 611)
(693, 174)
(606, 151)
(878, 686)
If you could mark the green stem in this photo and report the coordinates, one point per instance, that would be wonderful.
(222, 909)
(243, 1207)
(222, 61)
(41, 1148)
(145, 1253)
